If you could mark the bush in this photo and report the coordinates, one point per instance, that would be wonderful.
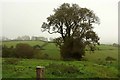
(110, 58)
(72, 49)
(24, 51)
(8, 52)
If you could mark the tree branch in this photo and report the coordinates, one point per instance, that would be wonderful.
(53, 32)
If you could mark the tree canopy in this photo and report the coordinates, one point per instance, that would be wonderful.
(75, 24)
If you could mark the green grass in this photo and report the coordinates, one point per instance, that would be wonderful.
(53, 51)
(102, 54)
(95, 66)
(49, 49)
(83, 69)
(13, 43)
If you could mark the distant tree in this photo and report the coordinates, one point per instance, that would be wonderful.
(46, 39)
(33, 38)
(115, 44)
(19, 38)
(5, 38)
(75, 24)
(25, 37)
(41, 38)
(51, 39)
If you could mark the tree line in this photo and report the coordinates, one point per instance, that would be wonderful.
(25, 37)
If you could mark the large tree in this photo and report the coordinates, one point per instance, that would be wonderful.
(75, 24)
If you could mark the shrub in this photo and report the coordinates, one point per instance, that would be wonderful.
(24, 51)
(8, 52)
(110, 58)
(72, 49)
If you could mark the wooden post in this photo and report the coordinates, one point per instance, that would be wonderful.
(40, 72)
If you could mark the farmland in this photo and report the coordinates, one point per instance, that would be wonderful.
(93, 65)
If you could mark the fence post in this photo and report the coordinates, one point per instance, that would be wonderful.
(40, 72)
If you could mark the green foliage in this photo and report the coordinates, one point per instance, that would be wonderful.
(110, 58)
(102, 52)
(8, 52)
(49, 49)
(24, 51)
(95, 66)
(75, 25)
(73, 49)
(21, 50)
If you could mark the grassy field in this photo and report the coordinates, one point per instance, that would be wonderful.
(94, 65)
(25, 68)
(53, 51)
(49, 49)
(13, 43)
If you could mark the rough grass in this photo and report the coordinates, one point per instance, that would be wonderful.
(53, 51)
(94, 66)
(58, 69)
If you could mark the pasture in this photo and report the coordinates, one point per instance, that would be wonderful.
(93, 65)
(25, 68)
(53, 51)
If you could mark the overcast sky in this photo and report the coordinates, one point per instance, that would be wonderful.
(25, 17)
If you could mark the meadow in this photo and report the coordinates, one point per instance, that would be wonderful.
(102, 63)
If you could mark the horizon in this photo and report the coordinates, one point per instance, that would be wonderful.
(12, 39)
